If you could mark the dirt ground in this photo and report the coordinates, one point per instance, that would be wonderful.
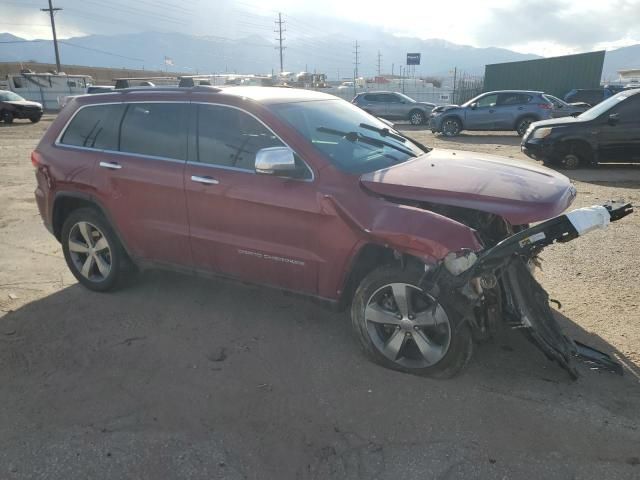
(179, 377)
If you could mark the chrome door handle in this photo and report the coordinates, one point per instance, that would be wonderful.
(204, 180)
(111, 165)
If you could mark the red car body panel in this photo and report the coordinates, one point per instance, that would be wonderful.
(295, 234)
(518, 192)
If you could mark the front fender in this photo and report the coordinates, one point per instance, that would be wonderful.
(421, 233)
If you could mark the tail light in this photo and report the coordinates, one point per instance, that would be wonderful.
(545, 106)
(36, 159)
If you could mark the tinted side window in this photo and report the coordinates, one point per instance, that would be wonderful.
(513, 99)
(371, 98)
(389, 98)
(231, 138)
(157, 129)
(487, 101)
(629, 110)
(95, 126)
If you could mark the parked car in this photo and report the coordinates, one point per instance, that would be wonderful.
(394, 106)
(304, 192)
(608, 132)
(501, 110)
(13, 106)
(590, 96)
(100, 89)
(564, 109)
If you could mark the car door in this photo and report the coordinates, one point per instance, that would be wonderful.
(397, 107)
(140, 181)
(372, 104)
(619, 136)
(509, 106)
(250, 226)
(482, 116)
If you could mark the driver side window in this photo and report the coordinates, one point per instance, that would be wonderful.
(487, 101)
(231, 138)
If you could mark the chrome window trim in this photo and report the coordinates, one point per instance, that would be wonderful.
(58, 141)
(245, 170)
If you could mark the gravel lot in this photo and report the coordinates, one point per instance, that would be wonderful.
(179, 377)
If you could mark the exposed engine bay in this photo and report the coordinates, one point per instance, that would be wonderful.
(496, 287)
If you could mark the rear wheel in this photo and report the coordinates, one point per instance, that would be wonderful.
(523, 124)
(402, 327)
(92, 250)
(416, 117)
(35, 119)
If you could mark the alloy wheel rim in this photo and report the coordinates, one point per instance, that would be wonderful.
(450, 127)
(524, 125)
(416, 118)
(407, 326)
(90, 251)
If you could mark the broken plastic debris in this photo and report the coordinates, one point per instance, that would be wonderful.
(458, 264)
(587, 219)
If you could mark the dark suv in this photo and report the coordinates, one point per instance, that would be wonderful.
(305, 192)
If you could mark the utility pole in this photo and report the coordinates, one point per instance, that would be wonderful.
(379, 62)
(357, 59)
(51, 11)
(280, 31)
(455, 78)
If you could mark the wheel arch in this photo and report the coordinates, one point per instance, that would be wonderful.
(532, 116)
(367, 258)
(64, 203)
(456, 116)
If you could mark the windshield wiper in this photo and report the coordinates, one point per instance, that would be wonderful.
(384, 132)
(358, 137)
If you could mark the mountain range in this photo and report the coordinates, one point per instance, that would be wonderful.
(331, 54)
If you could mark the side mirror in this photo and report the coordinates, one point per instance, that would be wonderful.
(614, 118)
(473, 106)
(278, 161)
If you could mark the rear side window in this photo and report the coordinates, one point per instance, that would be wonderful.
(155, 129)
(95, 126)
(513, 99)
(230, 137)
(371, 98)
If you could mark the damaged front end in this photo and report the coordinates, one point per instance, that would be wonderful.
(497, 285)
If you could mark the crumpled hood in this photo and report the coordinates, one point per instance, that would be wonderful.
(444, 108)
(519, 192)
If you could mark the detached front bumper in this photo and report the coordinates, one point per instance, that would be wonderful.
(435, 123)
(525, 304)
(538, 149)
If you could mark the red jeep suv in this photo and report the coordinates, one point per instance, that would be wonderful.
(305, 192)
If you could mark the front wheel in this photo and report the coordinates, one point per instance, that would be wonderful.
(451, 127)
(402, 327)
(35, 119)
(416, 117)
(92, 250)
(7, 117)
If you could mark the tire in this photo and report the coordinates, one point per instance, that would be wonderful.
(451, 127)
(417, 117)
(571, 161)
(86, 226)
(7, 117)
(35, 119)
(523, 125)
(435, 343)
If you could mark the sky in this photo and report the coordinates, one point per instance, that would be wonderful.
(543, 27)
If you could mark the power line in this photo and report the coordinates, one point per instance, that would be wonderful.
(52, 11)
(357, 59)
(279, 31)
(100, 51)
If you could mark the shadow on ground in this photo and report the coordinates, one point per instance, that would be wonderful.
(177, 377)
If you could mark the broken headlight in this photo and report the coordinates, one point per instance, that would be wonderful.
(542, 132)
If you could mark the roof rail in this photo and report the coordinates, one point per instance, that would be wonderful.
(174, 88)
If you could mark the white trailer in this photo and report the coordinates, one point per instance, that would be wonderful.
(48, 88)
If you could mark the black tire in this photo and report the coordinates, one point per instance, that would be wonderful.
(417, 117)
(571, 161)
(455, 334)
(523, 124)
(35, 119)
(451, 127)
(7, 117)
(116, 258)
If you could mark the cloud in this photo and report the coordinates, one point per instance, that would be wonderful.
(580, 26)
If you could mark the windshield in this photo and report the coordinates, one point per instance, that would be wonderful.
(10, 97)
(555, 100)
(353, 140)
(599, 109)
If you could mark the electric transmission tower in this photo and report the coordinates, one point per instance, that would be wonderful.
(280, 30)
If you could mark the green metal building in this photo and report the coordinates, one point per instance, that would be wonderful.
(555, 75)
